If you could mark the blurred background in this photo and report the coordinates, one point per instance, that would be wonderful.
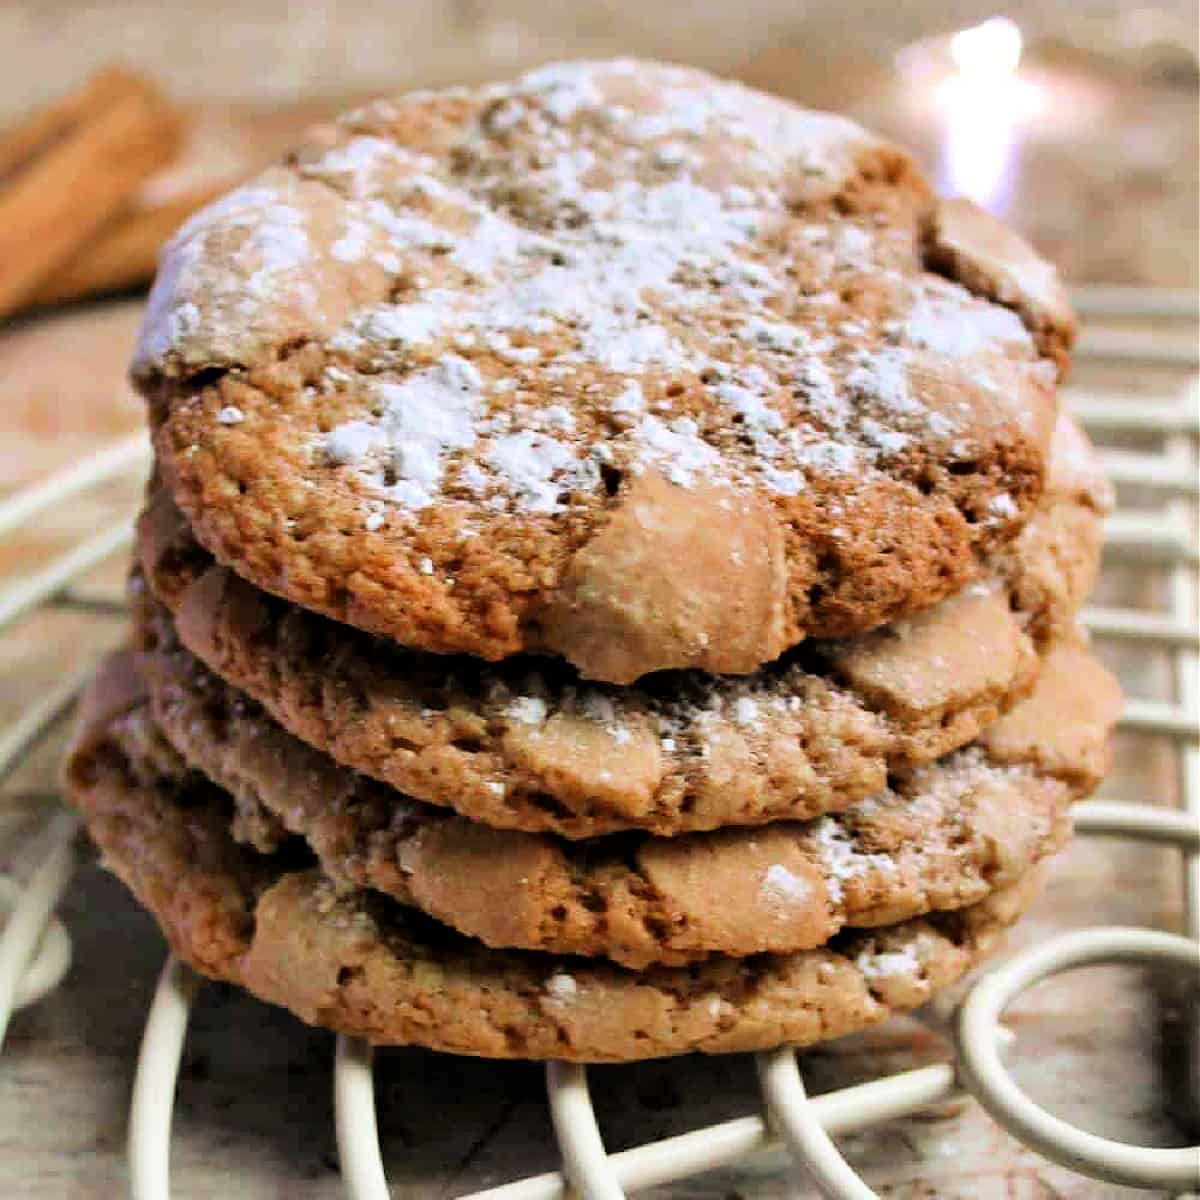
(1103, 130)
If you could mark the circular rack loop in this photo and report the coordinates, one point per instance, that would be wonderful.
(993, 1086)
(51, 952)
(35, 951)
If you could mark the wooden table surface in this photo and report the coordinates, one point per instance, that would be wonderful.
(254, 1115)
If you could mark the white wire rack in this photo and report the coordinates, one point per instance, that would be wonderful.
(35, 950)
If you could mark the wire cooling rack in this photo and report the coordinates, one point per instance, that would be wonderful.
(1157, 529)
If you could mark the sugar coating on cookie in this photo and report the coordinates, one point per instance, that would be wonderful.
(617, 360)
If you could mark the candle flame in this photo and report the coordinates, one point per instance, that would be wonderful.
(985, 102)
(992, 49)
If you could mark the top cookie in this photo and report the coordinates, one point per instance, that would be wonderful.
(617, 361)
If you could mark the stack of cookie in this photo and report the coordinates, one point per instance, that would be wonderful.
(608, 584)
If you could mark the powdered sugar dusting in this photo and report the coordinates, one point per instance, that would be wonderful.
(883, 964)
(239, 208)
(630, 399)
(279, 242)
(675, 449)
(603, 238)
(429, 413)
(362, 166)
(881, 377)
(782, 888)
(843, 860)
(412, 323)
(948, 320)
(528, 464)
(262, 236)
(563, 88)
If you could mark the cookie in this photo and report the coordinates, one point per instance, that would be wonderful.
(617, 361)
(945, 837)
(361, 964)
(525, 745)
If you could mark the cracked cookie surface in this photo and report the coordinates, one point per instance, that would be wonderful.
(360, 964)
(945, 837)
(525, 744)
(616, 361)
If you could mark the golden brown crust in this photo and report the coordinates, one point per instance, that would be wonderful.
(360, 965)
(410, 378)
(812, 734)
(941, 839)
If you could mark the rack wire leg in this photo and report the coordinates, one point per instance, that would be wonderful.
(154, 1085)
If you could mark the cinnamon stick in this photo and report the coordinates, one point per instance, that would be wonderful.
(124, 254)
(24, 140)
(67, 170)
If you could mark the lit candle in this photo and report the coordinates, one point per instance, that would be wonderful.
(984, 104)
